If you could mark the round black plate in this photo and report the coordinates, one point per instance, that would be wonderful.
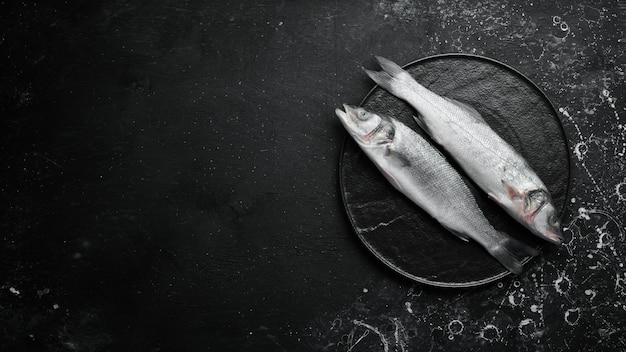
(403, 236)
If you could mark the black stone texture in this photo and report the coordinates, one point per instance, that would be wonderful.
(169, 177)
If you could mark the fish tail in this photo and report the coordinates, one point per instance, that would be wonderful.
(510, 253)
(392, 78)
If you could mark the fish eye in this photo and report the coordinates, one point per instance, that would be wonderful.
(553, 220)
(362, 115)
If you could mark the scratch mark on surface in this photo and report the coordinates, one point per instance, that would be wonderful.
(372, 228)
(375, 330)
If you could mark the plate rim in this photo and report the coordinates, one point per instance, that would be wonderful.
(443, 284)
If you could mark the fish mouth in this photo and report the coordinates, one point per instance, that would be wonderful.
(553, 235)
(347, 114)
(348, 108)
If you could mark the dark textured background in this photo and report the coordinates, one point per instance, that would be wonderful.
(170, 177)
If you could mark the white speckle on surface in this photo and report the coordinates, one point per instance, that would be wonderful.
(620, 191)
(41, 293)
(525, 325)
(403, 10)
(604, 239)
(535, 308)
(619, 280)
(490, 333)
(580, 150)
(591, 293)
(365, 290)
(562, 284)
(408, 307)
(583, 213)
(572, 316)
(14, 291)
(455, 327)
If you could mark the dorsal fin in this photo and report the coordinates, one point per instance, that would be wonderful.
(466, 108)
(420, 122)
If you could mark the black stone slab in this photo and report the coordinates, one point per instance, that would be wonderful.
(170, 177)
(406, 238)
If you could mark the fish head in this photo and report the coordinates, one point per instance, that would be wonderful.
(541, 216)
(367, 128)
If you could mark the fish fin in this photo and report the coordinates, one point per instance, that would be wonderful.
(512, 192)
(458, 234)
(380, 77)
(466, 108)
(420, 122)
(493, 197)
(510, 252)
(392, 78)
(396, 158)
(389, 66)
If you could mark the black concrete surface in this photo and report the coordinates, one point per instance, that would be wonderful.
(170, 177)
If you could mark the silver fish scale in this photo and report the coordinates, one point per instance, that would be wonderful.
(470, 139)
(437, 186)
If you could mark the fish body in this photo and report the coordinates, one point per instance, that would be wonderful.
(418, 170)
(484, 156)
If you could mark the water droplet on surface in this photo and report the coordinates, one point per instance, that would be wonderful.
(572, 315)
(455, 327)
(490, 333)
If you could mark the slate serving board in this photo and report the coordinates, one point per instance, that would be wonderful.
(403, 236)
